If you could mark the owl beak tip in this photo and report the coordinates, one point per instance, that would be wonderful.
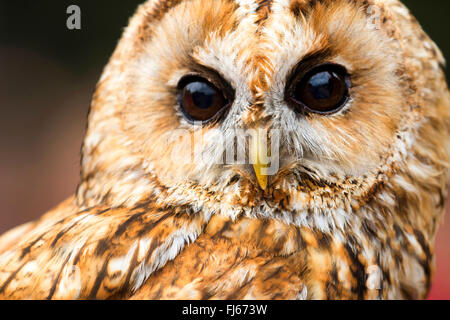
(260, 158)
(262, 178)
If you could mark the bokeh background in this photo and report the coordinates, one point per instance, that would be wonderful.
(47, 76)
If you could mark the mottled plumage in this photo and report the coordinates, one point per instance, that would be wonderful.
(351, 213)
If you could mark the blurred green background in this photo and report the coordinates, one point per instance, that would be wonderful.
(47, 76)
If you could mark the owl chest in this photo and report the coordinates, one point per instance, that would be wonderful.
(253, 259)
(217, 268)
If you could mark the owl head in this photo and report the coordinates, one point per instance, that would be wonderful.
(314, 112)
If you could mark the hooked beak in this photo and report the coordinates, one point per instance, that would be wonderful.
(258, 153)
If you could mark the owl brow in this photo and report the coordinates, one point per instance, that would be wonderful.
(263, 10)
(263, 4)
(161, 7)
(302, 7)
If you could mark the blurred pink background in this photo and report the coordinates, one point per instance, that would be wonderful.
(44, 104)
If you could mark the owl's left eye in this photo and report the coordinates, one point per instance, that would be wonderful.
(200, 100)
(323, 89)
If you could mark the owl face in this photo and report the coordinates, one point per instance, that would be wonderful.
(322, 77)
(299, 104)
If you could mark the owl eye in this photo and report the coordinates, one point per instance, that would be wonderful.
(323, 90)
(200, 100)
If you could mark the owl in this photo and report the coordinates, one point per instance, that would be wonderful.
(252, 149)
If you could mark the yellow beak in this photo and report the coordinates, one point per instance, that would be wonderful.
(258, 152)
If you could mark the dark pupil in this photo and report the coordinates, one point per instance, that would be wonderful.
(200, 100)
(202, 94)
(322, 90)
(321, 85)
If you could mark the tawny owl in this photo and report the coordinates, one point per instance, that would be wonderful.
(240, 149)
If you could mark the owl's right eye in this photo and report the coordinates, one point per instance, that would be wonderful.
(323, 89)
(200, 100)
